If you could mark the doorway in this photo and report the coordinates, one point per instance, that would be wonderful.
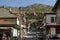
(0, 36)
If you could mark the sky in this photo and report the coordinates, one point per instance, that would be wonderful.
(24, 3)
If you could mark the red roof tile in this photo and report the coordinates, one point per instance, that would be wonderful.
(6, 22)
(8, 17)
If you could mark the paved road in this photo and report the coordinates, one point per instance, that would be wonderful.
(33, 38)
(30, 36)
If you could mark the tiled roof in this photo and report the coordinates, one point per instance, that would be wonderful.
(5, 22)
(49, 13)
(8, 17)
(5, 13)
(17, 12)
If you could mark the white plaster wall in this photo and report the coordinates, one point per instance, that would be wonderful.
(48, 19)
(14, 32)
(17, 21)
(53, 31)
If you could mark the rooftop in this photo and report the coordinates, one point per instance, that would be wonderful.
(5, 22)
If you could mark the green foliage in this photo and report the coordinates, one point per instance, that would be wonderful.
(40, 16)
(37, 8)
(17, 27)
(33, 25)
(30, 16)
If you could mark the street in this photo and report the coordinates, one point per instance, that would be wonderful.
(30, 38)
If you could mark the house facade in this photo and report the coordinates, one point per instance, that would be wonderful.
(9, 28)
(56, 9)
(52, 21)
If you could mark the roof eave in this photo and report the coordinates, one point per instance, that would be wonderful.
(56, 5)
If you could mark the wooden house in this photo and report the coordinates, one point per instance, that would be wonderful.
(52, 21)
(8, 24)
(56, 9)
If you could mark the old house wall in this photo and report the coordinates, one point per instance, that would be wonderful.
(48, 20)
(58, 14)
(53, 31)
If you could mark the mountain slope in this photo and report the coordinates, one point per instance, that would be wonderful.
(37, 8)
(32, 8)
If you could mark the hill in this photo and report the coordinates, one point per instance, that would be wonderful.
(13, 8)
(32, 8)
(37, 8)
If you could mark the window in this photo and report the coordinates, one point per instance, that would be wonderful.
(53, 19)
